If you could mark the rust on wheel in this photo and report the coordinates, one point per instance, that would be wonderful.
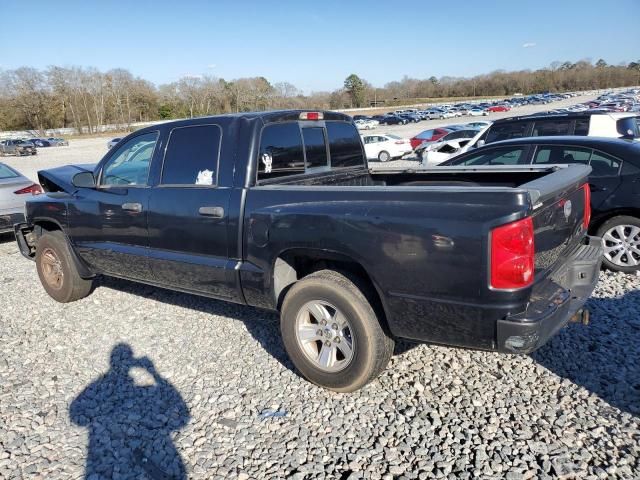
(52, 269)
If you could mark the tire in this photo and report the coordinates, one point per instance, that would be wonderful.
(57, 270)
(371, 347)
(384, 156)
(619, 236)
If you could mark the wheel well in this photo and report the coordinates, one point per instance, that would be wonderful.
(292, 266)
(41, 226)
(597, 222)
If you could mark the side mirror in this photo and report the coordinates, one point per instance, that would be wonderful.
(84, 180)
(480, 143)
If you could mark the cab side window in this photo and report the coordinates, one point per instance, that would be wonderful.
(191, 157)
(280, 151)
(129, 164)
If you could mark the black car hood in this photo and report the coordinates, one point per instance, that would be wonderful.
(60, 179)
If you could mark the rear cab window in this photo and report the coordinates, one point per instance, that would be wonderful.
(294, 148)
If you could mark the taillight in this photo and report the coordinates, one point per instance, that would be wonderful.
(587, 206)
(311, 116)
(512, 255)
(34, 189)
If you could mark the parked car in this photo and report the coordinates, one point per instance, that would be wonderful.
(385, 147)
(393, 120)
(478, 124)
(411, 117)
(477, 112)
(364, 124)
(58, 142)
(614, 183)
(298, 224)
(498, 108)
(39, 142)
(113, 142)
(15, 188)
(585, 123)
(429, 136)
(17, 147)
(449, 146)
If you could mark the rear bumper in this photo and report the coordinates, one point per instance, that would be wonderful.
(7, 220)
(553, 302)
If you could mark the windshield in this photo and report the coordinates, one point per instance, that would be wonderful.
(6, 172)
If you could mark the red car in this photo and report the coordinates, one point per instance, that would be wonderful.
(498, 108)
(428, 136)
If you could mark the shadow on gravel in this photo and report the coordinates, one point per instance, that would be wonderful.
(130, 413)
(262, 325)
(602, 357)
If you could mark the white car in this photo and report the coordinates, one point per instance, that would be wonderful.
(366, 124)
(477, 112)
(385, 147)
(442, 150)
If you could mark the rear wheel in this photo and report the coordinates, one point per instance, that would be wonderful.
(57, 270)
(621, 242)
(384, 156)
(332, 333)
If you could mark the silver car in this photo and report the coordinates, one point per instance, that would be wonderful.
(15, 189)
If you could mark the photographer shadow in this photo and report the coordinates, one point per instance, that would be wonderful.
(130, 413)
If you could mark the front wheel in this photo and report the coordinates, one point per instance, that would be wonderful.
(57, 270)
(332, 333)
(384, 156)
(621, 242)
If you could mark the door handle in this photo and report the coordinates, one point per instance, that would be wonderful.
(215, 212)
(132, 207)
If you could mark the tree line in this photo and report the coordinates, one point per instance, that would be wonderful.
(85, 98)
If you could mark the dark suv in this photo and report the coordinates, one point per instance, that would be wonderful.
(614, 181)
(593, 124)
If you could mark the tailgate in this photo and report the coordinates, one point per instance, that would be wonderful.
(558, 214)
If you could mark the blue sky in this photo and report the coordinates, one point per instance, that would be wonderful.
(315, 45)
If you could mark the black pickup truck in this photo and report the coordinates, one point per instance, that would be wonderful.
(278, 210)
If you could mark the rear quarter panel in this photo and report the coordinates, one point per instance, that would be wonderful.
(424, 249)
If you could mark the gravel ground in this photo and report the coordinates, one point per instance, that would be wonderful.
(202, 389)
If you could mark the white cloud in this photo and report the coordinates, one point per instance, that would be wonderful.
(529, 45)
(191, 75)
(211, 65)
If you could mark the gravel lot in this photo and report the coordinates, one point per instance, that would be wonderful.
(140, 382)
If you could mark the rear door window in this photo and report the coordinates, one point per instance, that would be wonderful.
(507, 131)
(344, 145)
(315, 147)
(498, 156)
(191, 157)
(280, 151)
(604, 165)
(544, 128)
(559, 154)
